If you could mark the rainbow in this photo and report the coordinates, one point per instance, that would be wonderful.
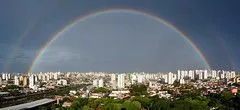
(18, 44)
(106, 11)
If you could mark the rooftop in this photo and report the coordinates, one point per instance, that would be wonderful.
(29, 105)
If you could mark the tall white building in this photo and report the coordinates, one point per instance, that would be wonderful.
(214, 74)
(185, 73)
(0, 81)
(182, 81)
(133, 78)
(6, 77)
(227, 74)
(16, 80)
(233, 74)
(55, 76)
(31, 81)
(100, 82)
(47, 77)
(182, 74)
(165, 77)
(205, 74)
(43, 77)
(191, 74)
(178, 74)
(39, 76)
(113, 81)
(222, 75)
(95, 83)
(200, 74)
(219, 74)
(9, 76)
(36, 79)
(3, 76)
(140, 78)
(170, 78)
(121, 81)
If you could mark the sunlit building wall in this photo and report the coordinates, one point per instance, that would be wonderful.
(170, 78)
(16, 80)
(214, 74)
(25, 81)
(95, 83)
(0, 81)
(121, 81)
(31, 81)
(113, 81)
(205, 74)
(100, 82)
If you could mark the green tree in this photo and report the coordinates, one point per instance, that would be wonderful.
(42, 108)
(226, 99)
(11, 88)
(101, 90)
(138, 89)
(53, 107)
(87, 108)
(79, 102)
(112, 106)
(176, 83)
(226, 96)
(160, 104)
(145, 101)
(128, 105)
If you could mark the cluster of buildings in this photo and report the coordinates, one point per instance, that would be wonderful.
(114, 81)
(120, 81)
(183, 75)
(32, 81)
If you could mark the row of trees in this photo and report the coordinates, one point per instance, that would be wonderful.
(154, 103)
(192, 100)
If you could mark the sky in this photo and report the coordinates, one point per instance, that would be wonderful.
(119, 41)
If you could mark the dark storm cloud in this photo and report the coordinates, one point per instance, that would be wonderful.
(119, 42)
(201, 20)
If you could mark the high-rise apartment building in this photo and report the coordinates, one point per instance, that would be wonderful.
(214, 74)
(95, 83)
(233, 74)
(133, 78)
(191, 74)
(6, 77)
(222, 75)
(100, 82)
(200, 74)
(113, 81)
(9, 76)
(3, 76)
(0, 81)
(170, 78)
(178, 75)
(16, 80)
(25, 81)
(121, 81)
(55, 76)
(205, 74)
(140, 78)
(31, 81)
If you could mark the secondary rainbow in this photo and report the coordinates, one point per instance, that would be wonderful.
(105, 11)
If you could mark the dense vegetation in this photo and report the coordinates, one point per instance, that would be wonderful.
(191, 100)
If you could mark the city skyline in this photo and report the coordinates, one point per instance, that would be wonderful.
(132, 42)
(119, 54)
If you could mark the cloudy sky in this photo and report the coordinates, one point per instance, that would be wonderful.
(119, 41)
